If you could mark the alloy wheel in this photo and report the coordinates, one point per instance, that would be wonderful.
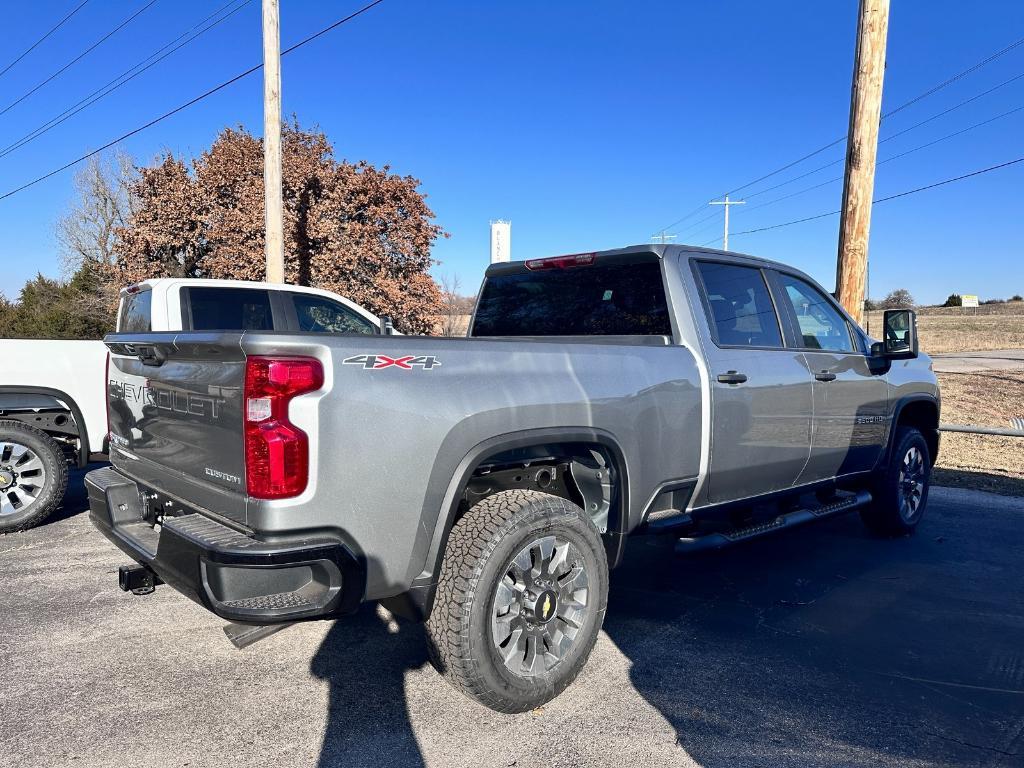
(22, 478)
(911, 483)
(539, 606)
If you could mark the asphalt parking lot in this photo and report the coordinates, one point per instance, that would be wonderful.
(822, 646)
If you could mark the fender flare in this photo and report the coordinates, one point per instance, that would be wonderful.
(69, 403)
(417, 601)
(902, 403)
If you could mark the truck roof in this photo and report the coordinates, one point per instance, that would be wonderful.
(658, 249)
(168, 283)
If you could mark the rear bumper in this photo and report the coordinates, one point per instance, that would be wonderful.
(239, 577)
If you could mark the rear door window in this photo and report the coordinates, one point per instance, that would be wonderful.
(589, 300)
(136, 310)
(739, 306)
(230, 309)
(315, 313)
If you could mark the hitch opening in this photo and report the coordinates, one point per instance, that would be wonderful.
(137, 579)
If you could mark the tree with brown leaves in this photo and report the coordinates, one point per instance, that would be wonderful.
(354, 229)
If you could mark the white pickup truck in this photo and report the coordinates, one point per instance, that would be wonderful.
(53, 402)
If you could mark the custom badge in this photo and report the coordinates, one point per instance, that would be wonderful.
(404, 363)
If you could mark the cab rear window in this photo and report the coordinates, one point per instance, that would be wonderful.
(230, 309)
(588, 300)
(135, 312)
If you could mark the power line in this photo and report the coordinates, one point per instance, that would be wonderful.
(52, 29)
(691, 214)
(955, 77)
(888, 198)
(949, 81)
(189, 103)
(127, 76)
(913, 127)
(955, 107)
(712, 215)
(901, 107)
(918, 148)
(79, 57)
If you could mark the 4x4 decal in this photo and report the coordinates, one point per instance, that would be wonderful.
(405, 363)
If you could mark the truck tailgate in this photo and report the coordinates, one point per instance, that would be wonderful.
(175, 412)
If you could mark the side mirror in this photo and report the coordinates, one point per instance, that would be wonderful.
(899, 335)
(387, 328)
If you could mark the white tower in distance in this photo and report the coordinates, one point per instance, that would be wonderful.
(501, 241)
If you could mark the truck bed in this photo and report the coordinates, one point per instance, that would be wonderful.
(396, 425)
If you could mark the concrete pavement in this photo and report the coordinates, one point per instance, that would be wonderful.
(819, 647)
(972, 362)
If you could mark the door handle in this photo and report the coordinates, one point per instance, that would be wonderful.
(825, 376)
(732, 377)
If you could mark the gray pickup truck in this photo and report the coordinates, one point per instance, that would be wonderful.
(487, 484)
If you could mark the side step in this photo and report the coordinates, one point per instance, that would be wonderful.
(846, 502)
(244, 635)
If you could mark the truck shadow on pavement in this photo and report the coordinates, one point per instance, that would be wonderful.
(76, 498)
(364, 658)
(822, 646)
(826, 646)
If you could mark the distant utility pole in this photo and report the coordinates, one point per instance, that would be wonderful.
(272, 141)
(861, 151)
(662, 237)
(727, 202)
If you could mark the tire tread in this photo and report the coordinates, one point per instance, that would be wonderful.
(59, 473)
(472, 540)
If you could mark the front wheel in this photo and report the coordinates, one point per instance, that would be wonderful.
(900, 493)
(33, 476)
(521, 598)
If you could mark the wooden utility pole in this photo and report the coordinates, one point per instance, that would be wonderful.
(861, 150)
(272, 141)
(727, 202)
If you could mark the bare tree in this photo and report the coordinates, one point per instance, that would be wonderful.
(104, 201)
(452, 319)
(898, 299)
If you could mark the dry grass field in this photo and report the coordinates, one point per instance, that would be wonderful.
(954, 329)
(986, 462)
(989, 398)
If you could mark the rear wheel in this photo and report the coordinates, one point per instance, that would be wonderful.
(900, 493)
(520, 601)
(33, 476)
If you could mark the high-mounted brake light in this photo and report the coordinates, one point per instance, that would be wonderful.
(562, 262)
(276, 451)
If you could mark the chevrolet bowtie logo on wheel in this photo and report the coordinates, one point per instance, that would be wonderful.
(545, 609)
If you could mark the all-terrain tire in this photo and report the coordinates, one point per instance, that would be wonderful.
(485, 547)
(21, 508)
(900, 491)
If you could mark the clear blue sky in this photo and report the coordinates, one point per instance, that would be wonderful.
(589, 124)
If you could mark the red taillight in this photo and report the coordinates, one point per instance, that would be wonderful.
(276, 451)
(562, 262)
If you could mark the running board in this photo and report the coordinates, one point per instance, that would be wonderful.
(847, 503)
(244, 635)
